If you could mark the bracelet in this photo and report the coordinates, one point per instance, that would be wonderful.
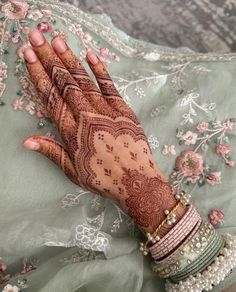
(176, 235)
(213, 274)
(203, 261)
(187, 252)
(170, 219)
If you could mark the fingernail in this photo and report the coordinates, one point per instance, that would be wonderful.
(30, 55)
(92, 58)
(31, 144)
(59, 45)
(36, 38)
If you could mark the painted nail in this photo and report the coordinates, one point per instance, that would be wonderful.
(36, 38)
(30, 55)
(59, 45)
(31, 144)
(92, 58)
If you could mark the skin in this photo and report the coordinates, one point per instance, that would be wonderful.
(105, 149)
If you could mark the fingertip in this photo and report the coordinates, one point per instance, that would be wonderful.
(31, 144)
(59, 45)
(92, 58)
(30, 55)
(36, 37)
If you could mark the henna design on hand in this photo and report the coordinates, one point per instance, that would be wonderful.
(105, 148)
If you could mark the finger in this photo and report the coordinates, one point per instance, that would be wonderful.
(53, 151)
(67, 86)
(108, 88)
(73, 65)
(77, 70)
(53, 102)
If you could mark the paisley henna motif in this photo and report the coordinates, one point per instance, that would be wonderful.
(105, 148)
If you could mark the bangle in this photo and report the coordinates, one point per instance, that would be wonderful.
(213, 274)
(170, 219)
(176, 235)
(178, 260)
(204, 260)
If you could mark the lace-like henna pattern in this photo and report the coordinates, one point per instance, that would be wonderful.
(105, 148)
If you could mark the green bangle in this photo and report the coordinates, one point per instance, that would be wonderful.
(205, 259)
(198, 265)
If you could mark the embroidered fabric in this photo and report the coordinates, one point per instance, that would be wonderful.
(44, 216)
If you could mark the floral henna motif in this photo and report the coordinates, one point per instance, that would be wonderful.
(105, 148)
(147, 197)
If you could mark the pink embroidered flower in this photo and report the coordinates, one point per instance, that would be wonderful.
(222, 149)
(104, 52)
(202, 127)
(189, 138)
(228, 126)
(18, 104)
(214, 178)
(15, 9)
(190, 163)
(230, 163)
(47, 13)
(35, 15)
(44, 27)
(3, 266)
(216, 217)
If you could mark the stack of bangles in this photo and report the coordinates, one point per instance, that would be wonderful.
(192, 256)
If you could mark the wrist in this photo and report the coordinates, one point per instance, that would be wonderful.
(147, 198)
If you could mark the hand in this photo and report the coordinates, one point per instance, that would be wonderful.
(105, 149)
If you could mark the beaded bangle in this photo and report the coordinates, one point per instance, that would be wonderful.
(189, 251)
(170, 219)
(176, 235)
(204, 260)
(213, 274)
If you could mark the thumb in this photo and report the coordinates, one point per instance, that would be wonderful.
(54, 151)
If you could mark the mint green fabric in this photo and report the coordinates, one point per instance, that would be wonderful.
(77, 240)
